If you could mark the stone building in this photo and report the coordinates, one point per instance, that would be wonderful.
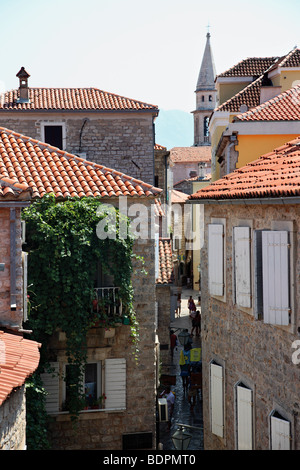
(250, 305)
(99, 126)
(128, 419)
(19, 357)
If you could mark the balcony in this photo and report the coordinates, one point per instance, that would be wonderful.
(107, 306)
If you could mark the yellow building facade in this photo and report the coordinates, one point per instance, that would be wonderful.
(237, 138)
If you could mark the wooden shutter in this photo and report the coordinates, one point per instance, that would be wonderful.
(275, 277)
(25, 284)
(216, 259)
(216, 399)
(115, 383)
(280, 434)
(244, 418)
(51, 385)
(242, 264)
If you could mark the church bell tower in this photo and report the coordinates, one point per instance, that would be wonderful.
(206, 95)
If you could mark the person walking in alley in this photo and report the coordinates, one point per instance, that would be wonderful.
(191, 307)
(184, 362)
(170, 397)
(173, 342)
(196, 324)
(178, 310)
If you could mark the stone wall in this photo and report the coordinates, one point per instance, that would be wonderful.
(8, 317)
(103, 430)
(251, 351)
(124, 142)
(13, 421)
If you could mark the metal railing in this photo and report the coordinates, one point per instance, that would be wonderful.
(107, 301)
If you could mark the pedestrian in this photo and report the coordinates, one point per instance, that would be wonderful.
(173, 342)
(184, 362)
(191, 307)
(196, 324)
(178, 311)
(170, 397)
(192, 394)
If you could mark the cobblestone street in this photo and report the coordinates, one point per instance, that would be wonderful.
(183, 412)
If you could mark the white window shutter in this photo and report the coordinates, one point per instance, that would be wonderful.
(280, 434)
(216, 398)
(244, 418)
(25, 284)
(275, 277)
(51, 385)
(115, 383)
(242, 263)
(216, 259)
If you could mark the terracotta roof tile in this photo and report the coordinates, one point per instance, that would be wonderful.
(10, 188)
(250, 67)
(248, 96)
(178, 197)
(165, 272)
(72, 99)
(284, 107)
(46, 169)
(191, 154)
(19, 358)
(275, 174)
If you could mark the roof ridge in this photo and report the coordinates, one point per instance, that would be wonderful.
(71, 156)
(268, 103)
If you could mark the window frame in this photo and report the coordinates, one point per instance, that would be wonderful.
(62, 124)
(260, 314)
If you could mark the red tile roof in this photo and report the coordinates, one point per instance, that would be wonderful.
(191, 154)
(46, 169)
(250, 67)
(249, 96)
(72, 99)
(284, 107)
(19, 358)
(165, 272)
(178, 197)
(10, 188)
(275, 174)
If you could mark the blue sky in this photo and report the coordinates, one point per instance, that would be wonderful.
(148, 50)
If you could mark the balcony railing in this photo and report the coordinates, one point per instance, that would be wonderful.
(107, 301)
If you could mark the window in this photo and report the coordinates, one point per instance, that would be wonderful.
(100, 378)
(205, 126)
(53, 136)
(272, 273)
(210, 98)
(217, 399)
(244, 417)
(53, 133)
(242, 266)
(280, 430)
(216, 259)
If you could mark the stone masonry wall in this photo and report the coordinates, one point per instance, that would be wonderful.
(13, 421)
(251, 351)
(103, 430)
(124, 142)
(8, 317)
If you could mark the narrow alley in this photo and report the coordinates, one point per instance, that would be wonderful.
(183, 412)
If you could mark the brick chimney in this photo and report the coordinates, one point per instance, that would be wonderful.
(23, 87)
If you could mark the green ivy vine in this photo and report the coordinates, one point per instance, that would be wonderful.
(64, 250)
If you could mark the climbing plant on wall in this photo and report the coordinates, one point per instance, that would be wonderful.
(64, 250)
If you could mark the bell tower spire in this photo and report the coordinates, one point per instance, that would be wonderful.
(205, 96)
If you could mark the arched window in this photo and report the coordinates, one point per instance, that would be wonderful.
(210, 98)
(203, 98)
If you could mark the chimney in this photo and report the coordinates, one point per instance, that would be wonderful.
(23, 88)
(268, 90)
